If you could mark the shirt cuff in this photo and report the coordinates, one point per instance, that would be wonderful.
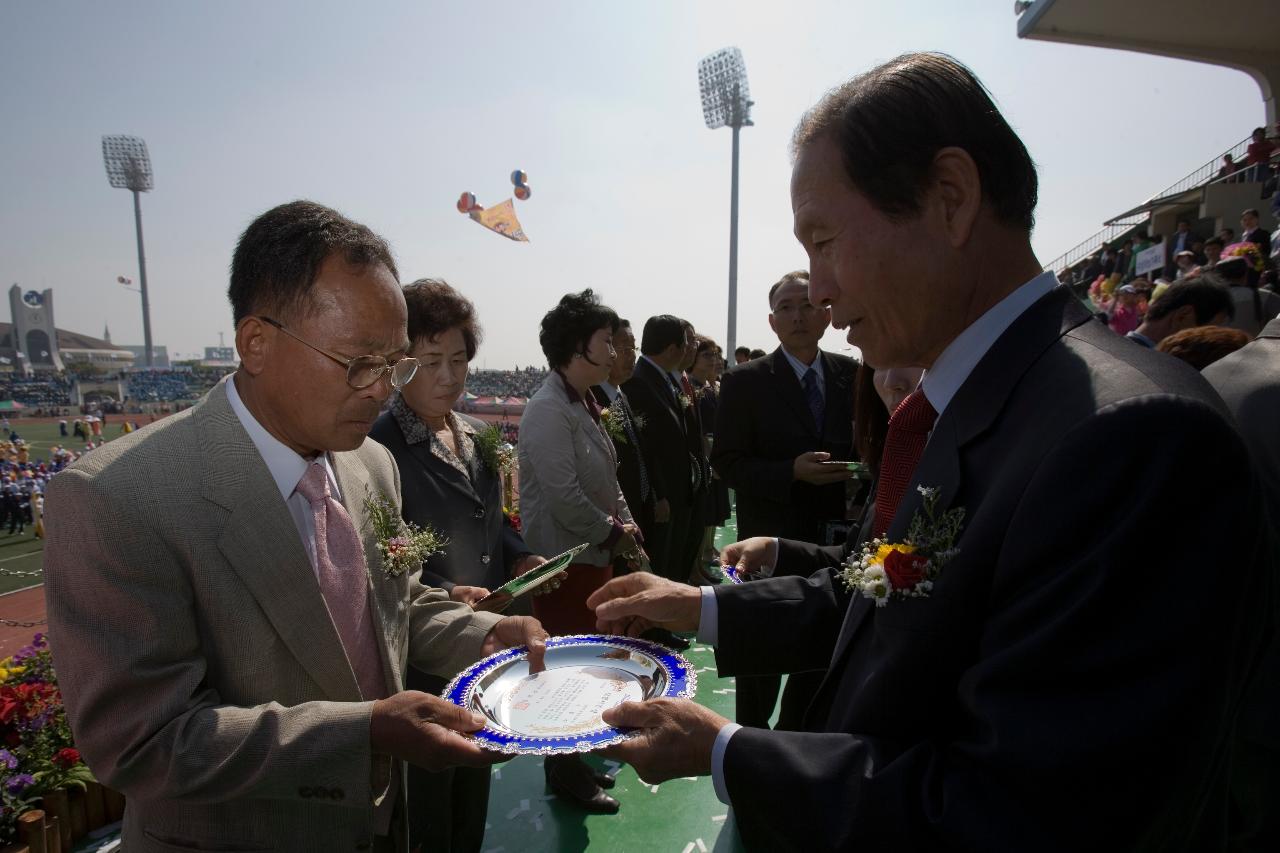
(770, 571)
(717, 761)
(709, 618)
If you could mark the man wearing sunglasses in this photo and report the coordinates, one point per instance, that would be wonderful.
(230, 643)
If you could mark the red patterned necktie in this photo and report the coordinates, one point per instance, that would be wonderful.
(909, 427)
(344, 581)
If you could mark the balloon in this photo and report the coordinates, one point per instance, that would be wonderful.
(519, 178)
(466, 202)
(523, 192)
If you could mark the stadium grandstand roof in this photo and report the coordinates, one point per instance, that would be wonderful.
(1242, 37)
(66, 340)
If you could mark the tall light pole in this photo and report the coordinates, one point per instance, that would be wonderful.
(129, 168)
(726, 101)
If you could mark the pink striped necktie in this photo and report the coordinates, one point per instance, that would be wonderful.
(344, 581)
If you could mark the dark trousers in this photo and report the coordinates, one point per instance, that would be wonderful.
(757, 694)
(447, 809)
(664, 542)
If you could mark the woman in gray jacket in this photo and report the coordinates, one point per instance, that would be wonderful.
(569, 493)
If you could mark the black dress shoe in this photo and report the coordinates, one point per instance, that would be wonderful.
(570, 779)
(604, 780)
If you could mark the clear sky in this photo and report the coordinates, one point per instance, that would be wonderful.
(387, 111)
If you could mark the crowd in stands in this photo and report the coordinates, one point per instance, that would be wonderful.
(49, 394)
(521, 382)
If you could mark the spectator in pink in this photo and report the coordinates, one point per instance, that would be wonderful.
(1125, 314)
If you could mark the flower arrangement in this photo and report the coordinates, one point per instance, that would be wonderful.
(38, 756)
(402, 545)
(498, 455)
(612, 423)
(1248, 251)
(907, 569)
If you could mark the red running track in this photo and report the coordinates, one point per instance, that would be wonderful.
(25, 605)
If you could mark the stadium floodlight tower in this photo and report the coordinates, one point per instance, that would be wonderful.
(726, 101)
(129, 168)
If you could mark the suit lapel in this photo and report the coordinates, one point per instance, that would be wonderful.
(261, 542)
(444, 472)
(789, 389)
(974, 408)
(660, 386)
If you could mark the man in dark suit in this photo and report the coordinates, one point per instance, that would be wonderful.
(690, 554)
(1249, 382)
(1182, 240)
(1251, 231)
(657, 397)
(1041, 673)
(629, 439)
(782, 422)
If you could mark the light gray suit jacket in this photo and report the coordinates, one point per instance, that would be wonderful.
(202, 674)
(569, 492)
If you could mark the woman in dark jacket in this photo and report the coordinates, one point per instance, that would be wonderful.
(451, 480)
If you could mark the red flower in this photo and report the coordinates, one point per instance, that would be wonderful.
(67, 757)
(905, 570)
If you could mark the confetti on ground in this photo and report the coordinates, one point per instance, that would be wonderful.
(703, 669)
(702, 847)
(497, 773)
(725, 691)
(523, 807)
(688, 848)
(537, 823)
(653, 789)
(720, 818)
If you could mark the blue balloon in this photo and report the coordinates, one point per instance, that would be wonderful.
(519, 178)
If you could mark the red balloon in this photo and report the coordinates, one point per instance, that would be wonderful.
(523, 193)
(466, 202)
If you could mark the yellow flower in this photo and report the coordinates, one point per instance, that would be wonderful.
(885, 550)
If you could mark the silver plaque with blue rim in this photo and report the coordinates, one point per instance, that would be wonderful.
(559, 710)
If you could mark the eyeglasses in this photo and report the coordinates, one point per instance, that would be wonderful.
(363, 370)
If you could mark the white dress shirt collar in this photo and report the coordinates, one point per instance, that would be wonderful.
(285, 465)
(801, 368)
(957, 361)
(611, 391)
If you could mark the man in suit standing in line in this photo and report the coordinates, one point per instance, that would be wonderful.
(1039, 673)
(699, 466)
(229, 639)
(631, 445)
(1249, 382)
(782, 421)
(657, 398)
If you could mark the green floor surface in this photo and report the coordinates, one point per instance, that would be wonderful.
(682, 815)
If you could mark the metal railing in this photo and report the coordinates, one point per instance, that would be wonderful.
(1204, 175)
(1207, 172)
(1091, 244)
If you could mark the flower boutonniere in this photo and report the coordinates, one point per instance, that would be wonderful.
(907, 569)
(498, 456)
(613, 427)
(402, 545)
(685, 402)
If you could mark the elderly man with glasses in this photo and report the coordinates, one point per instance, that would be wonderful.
(230, 641)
